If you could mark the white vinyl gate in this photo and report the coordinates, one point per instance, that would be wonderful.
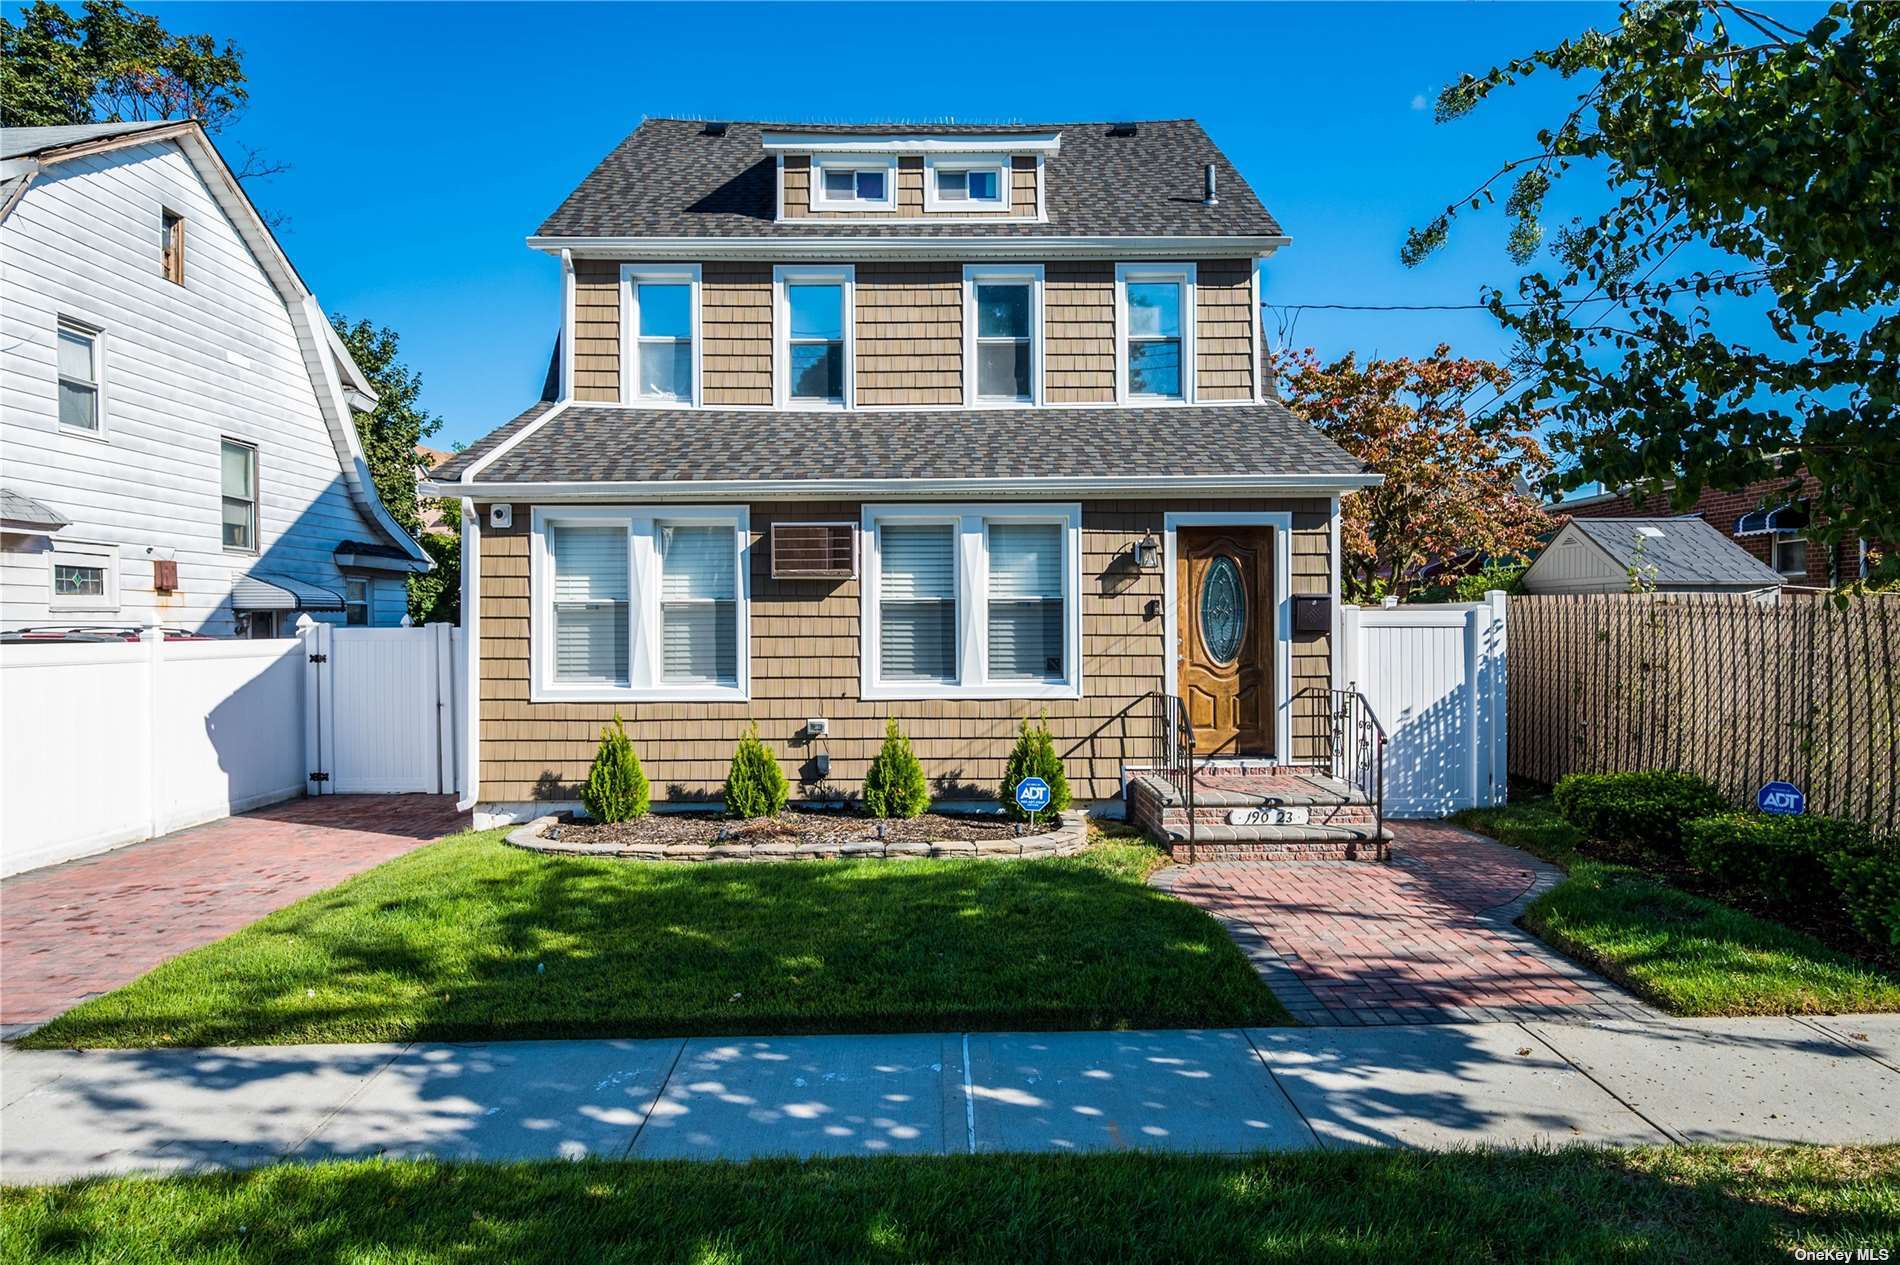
(1435, 676)
(381, 709)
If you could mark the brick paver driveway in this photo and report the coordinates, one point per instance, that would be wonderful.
(69, 932)
(1427, 939)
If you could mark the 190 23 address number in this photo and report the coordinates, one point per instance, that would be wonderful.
(1267, 817)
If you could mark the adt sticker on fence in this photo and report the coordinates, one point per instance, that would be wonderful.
(1784, 798)
(1032, 795)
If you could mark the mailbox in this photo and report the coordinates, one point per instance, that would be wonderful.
(1313, 614)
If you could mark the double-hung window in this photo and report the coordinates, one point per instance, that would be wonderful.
(356, 602)
(237, 477)
(1155, 326)
(971, 601)
(661, 342)
(79, 356)
(1791, 555)
(813, 364)
(633, 603)
(966, 184)
(1002, 322)
(854, 184)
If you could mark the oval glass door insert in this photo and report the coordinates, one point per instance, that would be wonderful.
(1223, 609)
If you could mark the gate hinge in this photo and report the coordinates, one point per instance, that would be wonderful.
(319, 658)
(319, 777)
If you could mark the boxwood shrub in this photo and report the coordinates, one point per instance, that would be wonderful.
(1868, 881)
(1784, 859)
(1648, 809)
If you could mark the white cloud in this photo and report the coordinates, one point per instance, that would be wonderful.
(1420, 103)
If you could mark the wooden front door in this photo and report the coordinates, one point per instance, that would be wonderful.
(1224, 614)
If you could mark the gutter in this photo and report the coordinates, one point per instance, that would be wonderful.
(887, 489)
(791, 246)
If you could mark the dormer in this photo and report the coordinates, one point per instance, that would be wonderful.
(921, 177)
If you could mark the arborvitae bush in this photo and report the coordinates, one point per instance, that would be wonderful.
(1034, 755)
(894, 784)
(616, 787)
(755, 785)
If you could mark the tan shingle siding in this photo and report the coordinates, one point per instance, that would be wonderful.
(909, 333)
(736, 323)
(910, 192)
(1223, 351)
(1079, 332)
(805, 663)
(596, 329)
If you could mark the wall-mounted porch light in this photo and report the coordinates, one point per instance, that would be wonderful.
(1148, 552)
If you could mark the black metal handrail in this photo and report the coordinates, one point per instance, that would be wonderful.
(1173, 755)
(1351, 744)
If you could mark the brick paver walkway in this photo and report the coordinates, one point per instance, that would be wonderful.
(72, 931)
(1426, 939)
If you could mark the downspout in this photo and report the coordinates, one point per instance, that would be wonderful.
(471, 657)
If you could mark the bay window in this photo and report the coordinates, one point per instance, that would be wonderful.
(660, 342)
(1154, 321)
(813, 344)
(1002, 322)
(634, 603)
(971, 601)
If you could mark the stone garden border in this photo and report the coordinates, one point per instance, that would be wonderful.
(1067, 839)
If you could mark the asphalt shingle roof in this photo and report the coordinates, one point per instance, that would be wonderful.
(1684, 551)
(23, 142)
(671, 179)
(590, 443)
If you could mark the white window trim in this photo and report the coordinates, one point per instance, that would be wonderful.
(974, 273)
(1004, 200)
(81, 553)
(1185, 275)
(644, 637)
(784, 276)
(1282, 524)
(98, 337)
(630, 277)
(972, 569)
(822, 201)
(256, 547)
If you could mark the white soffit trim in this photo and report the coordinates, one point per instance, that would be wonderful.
(799, 489)
(791, 247)
(921, 142)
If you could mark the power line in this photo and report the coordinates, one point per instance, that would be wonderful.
(1385, 307)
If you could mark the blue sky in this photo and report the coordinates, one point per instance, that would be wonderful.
(427, 141)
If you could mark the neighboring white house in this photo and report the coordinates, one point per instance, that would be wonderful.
(176, 439)
(1664, 555)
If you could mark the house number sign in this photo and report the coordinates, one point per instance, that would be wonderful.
(1267, 817)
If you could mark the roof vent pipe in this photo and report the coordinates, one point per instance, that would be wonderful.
(1209, 196)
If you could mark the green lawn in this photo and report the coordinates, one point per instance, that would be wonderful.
(1682, 952)
(470, 939)
(1678, 1204)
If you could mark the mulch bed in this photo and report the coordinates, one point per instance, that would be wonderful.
(796, 826)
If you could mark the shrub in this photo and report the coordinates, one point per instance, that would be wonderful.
(1868, 882)
(755, 785)
(1647, 808)
(894, 784)
(1781, 858)
(616, 787)
(1034, 755)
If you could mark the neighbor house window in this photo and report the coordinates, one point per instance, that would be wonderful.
(635, 603)
(1003, 335)
(662, 332)
(966, 184)
(971, 602)
(237, 472)
(815, 344)
(1791, 555)
(83, 577)
(171, 244)
(854, 184)
(78, 376)
(356, 603)
(1156, 325)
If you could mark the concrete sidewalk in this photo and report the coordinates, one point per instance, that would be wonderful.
(69, 1113)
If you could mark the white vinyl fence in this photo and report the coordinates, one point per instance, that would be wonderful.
(110, 743)
(1435, 676)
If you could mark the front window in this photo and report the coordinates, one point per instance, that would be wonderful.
(815, 325)
(237, 472)
(1002, 340)
(1157, 350)
(633, 604)
(78, 377)
(972, 602)
(356, 603)
(1791, 555)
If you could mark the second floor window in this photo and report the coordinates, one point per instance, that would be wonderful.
(1157, 332)
(1002, 348)
(815, 328)
(665, 340)
(78, 377)
(237, 474)
(356, 603)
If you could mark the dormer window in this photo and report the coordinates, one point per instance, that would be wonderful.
(966, 183)
(850, 183)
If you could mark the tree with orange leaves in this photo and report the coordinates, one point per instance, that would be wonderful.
(1457, 479)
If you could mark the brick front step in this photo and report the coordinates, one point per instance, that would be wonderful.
(1341, 824)
(1213, 851)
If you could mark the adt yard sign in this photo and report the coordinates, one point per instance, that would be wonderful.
(1032, 795)
(1783, 798)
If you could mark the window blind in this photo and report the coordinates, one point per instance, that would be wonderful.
(917, 602)
(1025, 602)
(698, 605)
(590, 602)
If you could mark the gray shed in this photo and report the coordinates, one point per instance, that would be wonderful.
(1675, 555)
